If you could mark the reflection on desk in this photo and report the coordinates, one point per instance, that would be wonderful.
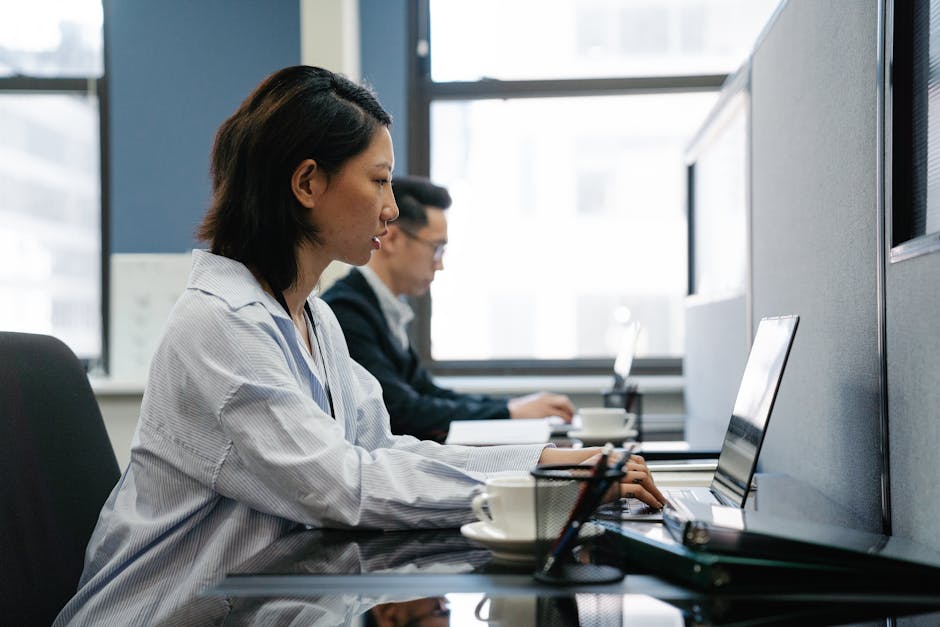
(372, 578)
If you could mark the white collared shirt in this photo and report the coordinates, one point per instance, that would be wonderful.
(398, 314)
(231, 452)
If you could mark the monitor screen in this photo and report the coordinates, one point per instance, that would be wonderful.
(753, 405)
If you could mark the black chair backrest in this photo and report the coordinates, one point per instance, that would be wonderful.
(57, 468)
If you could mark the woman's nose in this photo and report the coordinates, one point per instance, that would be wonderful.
(390, 211)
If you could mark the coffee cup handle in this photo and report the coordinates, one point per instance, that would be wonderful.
(477, 504)
(479, 609)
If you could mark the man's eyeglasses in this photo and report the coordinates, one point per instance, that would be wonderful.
(439, 247)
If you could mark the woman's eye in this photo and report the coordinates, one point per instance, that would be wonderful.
(382, 181)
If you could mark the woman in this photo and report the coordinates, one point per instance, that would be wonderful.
(255, 419)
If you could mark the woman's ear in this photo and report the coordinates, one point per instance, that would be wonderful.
(307, 182)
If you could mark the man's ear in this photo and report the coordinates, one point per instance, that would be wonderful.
(307, 182)
(392, 240)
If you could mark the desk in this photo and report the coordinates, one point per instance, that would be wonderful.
(665, 444)
(334, 577)
(323, 577)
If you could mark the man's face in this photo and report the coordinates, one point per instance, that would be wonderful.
(419, 254)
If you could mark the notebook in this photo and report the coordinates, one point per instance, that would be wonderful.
(490, 432)
(750, 416)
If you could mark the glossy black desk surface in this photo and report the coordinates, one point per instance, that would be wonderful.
(439, 577)
(321, 578)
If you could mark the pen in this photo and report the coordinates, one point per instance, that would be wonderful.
(631, 396)
(627, 451)
(616, 469)
(591, 493)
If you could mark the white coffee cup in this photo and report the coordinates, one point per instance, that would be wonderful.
(508, 502)
(605, 420)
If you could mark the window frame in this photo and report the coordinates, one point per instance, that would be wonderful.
(21, 84)
(904, 241)
(422, 91)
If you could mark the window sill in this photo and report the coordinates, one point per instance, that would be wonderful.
(570, 384)
(106, 386)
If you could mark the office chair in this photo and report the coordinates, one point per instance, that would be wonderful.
(57, 468)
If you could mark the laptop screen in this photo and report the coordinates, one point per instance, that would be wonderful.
(752, 407)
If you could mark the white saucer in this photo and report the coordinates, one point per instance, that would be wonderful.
(505, 548)
(597, 439)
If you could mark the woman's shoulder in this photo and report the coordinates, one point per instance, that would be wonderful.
(200, 316)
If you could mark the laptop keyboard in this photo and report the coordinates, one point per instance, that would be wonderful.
(630, 508)
(680, 494)
(636, 507)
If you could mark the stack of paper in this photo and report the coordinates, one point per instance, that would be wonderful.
(489, 432)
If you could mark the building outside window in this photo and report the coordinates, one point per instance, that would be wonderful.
(561, 140)
(51, 270)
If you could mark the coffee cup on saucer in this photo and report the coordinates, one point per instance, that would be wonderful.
(508, 503)
(605, 420)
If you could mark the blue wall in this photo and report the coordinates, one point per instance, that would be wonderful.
(176, 70)
(384, 52)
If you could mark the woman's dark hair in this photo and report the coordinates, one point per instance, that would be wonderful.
(297, 113)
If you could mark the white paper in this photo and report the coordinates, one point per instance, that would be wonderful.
(487, 432)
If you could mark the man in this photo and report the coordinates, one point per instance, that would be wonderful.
(370, 305)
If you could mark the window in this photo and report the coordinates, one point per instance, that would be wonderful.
(51, 254)
(913, 129)
(718, 205)
(563, 148)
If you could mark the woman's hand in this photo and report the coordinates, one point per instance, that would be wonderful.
(637, 480)
(569, 455)
(638, 483)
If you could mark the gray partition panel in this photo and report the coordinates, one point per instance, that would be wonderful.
(717, 342)
(814, 246)
(913, 349)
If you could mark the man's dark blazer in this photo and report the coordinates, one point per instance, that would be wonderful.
(415, 404)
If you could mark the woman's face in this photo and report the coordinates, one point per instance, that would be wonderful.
(356, 202)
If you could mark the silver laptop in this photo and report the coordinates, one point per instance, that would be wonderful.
(752, 407)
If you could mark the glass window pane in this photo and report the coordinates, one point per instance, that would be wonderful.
(50, 219)
(591, 38)
(720, 204)
(51, 38)
(566, 211)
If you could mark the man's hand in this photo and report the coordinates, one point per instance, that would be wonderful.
(541, 405)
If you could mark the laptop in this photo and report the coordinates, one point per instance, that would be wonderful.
(620, 394)
(737, 460)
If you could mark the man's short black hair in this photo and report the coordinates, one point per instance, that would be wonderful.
(413, 194)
